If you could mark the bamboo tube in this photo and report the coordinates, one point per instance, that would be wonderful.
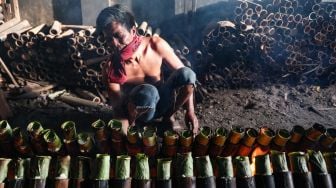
(142, 172)
(247, 143)
(39, 171)
(321, 177)
(56, 28)
(296, 135)
(299, 167)
(52, 140)
(142, 28)
(232, 146)
(244, 177)
(4, 67)
(204, 172)
(225, 176)
(85, 143)
(149, 31)
(263, 173)
(101, 171)
(80, 172)
(164, 173)
(35, 30)
(4, 162)
(184, 171)
(282, 176)
(280, 140)
(87, 95)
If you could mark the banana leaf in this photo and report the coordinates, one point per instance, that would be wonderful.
(242, 166)
(62, 167)
(225, 167)
(4, 162)
(279, 161)
(298, 162)
(317, 162)
(330, 159)
(185, 166)
(102, 167)
(263, 165)
(40, 167)
(164, 169)
(122, 168)
(5, 131)
(142, 171)
(204, 167)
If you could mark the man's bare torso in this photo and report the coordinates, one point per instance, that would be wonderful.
(145, 64)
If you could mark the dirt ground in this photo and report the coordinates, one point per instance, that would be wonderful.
(275, 106)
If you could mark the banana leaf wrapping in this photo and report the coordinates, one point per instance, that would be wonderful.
(101, 167)
(4, 164)
(279, 161)
(164, 169)
(242, 167)
(62, 167)
(263, 165)
(185, 165)
(317, 162)
(69, 131)
(225, 167)
(203, 167)
(21, 168)
(243, 171)
(122, 168)
(142, 171)
(40, 167)
(298, 162)
(319, 170)
(263, 174)
(6, 131)
(299, 167)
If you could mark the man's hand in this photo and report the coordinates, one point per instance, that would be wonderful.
(191, 119)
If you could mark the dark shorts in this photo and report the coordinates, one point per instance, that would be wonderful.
(155, 101)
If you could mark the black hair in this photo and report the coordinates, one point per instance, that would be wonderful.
(115, 13)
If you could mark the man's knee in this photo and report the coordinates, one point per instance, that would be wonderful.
(185, 76)
(145, 98)
(144, 95)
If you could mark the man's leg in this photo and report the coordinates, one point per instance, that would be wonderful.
(177, 92)
(142, 103)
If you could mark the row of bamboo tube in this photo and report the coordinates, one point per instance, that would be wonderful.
(108, 138)
(311, 169)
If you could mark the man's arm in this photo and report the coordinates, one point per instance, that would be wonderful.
(167, 53)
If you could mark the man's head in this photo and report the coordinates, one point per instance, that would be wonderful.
(117, 25)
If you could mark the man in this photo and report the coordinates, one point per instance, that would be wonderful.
(136, 88)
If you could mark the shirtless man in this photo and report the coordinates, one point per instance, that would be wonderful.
(136, 88)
